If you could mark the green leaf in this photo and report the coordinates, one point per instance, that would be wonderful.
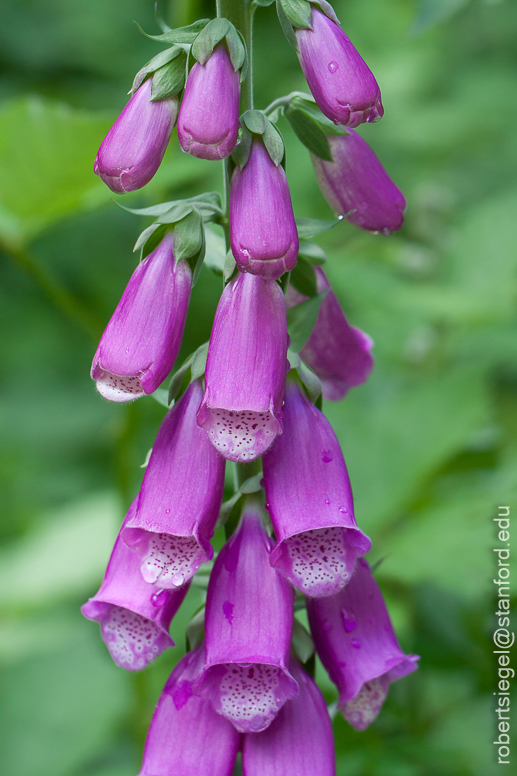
(241, 152)
(303, 278)
(215, 255)
(274, 143)
(311, 383)
(236, 49)
(299, 13)
(302, 641)
(309, 132)
(255, 121)
(312, 252)
(431, 12)
(209, 37)
(161, 59)
(263, 3)
(206, 204)
(46, 159)
(196, 629)
(176, 213)
(301, 320)
(307, 104)
(309, 227)
(252, 484)
(180, 34)
(169, 79)
(191, 369)
(199, 362)
(286, 25)
(327, 9)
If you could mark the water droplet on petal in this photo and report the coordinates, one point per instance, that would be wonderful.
(167, 511)
(342, 510)
(326, 456)
(356, 643)
(244, 665)
(159, 598)
(349, 621)
(178, 579)
(327, 501)
(333, 66)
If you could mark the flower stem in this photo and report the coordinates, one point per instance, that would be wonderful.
(240, 13)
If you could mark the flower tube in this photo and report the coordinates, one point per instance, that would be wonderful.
(141, 342)
(337, 352)
(179, 500)
(341, 82)
(248, 629)
(186, 737)
(133, 149)
(356, 180)
(245, 370)
(263, 234)
(299, 741)
(208, 121)
(310, 501)
(134, 616)
(356, 643)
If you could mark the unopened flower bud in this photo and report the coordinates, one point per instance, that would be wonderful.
(133, 149)
(263, 233)
(356, 180)
(140, 343)
(340, 80)
(208, 121)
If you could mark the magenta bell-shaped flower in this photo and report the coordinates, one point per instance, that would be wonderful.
(186, 737)
(248, 629)
(179, 500)
(298, 741)
(337, 352)
(263, 233)
(357, 181)
(134, 616)
(341, 82)
(246, 368)
(141, 342)
(310, 501)
(356, 643)
(133, 149)
(208, 121)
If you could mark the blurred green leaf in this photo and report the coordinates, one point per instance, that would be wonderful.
(431, 12)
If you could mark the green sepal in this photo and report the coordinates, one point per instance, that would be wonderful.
(309, 132)
(286, 25)
(298, 12)
(312, 252)
(303, 278)
(150, 239)
(301, 320)
(214, 32)
(206, 204)
(161, 395)
(306, 103)
(195, 629)
(252, 484)
(195, 364)
(215, 255)
(230, 267)
(309, 227)
(327, 10)
(302, 641)
(163, 58)
(169, 79)
(310, 666)
(284, 282)
(234, 515)
(306, 378)
(262, 3)
(241, 152)
(189, 242)
(185, 35)
(256, 122)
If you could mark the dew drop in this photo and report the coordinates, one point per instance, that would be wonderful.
(327, 501)
(342, 510)
(167, 511)
(326, 456)
(333, 66)
(244, 665)
(159, 598)
(356, 643)
(349, 621)
(266, 506)
(178, 579)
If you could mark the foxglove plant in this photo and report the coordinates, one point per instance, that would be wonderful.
(241, 687)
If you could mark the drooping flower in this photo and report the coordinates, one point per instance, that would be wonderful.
(357, 181)
(248, 628)
(186, 737)
(341, 82)
(132, 151)
(134, 616)
(356, 643)
(263, 233)
(310, 501)
(179, 500)
(299, 741)
(337, 352)
(141, 342)
(246, 367)
(208, 121)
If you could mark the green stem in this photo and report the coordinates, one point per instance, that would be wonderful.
(240, 13)
(243, 471)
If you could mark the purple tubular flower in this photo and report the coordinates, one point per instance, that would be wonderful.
(248, 628)
(357, 181)
(133, 149)
(246, 367)
(263, 233)
(208, 121)
(341, 82)
(179, 500)
(299, 741)
(357, 645)
(337, 352)
(310, 501)
(186, 737)
(134, 616)
(140, 344)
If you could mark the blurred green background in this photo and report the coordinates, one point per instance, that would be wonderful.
(429, 440)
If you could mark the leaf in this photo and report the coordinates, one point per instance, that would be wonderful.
(252, 484)
(286, 25)
(46, 160)
(237, 49)
(209, 37)
(312, 252)
(241, 152)
(180, 34)
(302, 641)
(303, 278)
(255, 121)
(161, 59)
(307, 105)
(309, 227)
(301, 320)
(169, 79)
(274, 143)
(215, 255)
(309, 132)
(299, 13)
(199, 362)
(263, 3)
(311, 383)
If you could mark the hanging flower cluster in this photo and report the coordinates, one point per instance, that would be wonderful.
(279, 342)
